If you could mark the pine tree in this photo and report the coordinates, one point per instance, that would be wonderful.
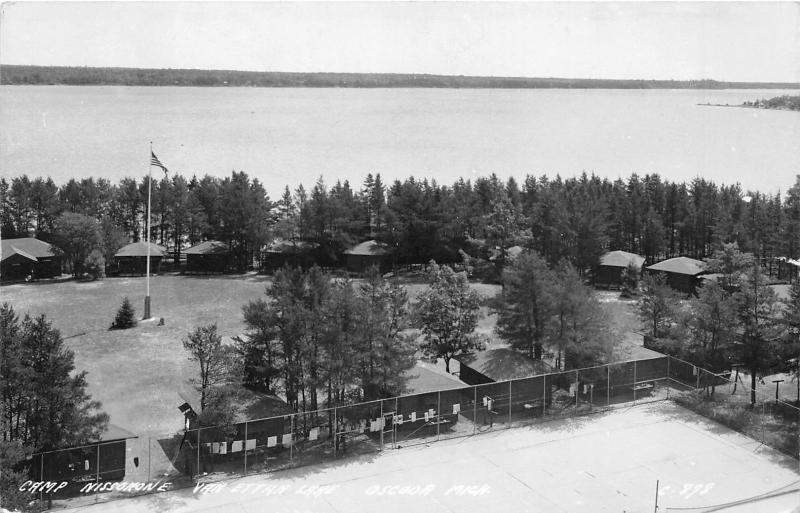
(44, 401)
(761, 334)
(126, 316)
(791, 316)
(205, 347)
(448, 313)
(656, 305)
(525, 304)
(384, 351)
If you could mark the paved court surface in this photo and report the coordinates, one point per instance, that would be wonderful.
(604, 462)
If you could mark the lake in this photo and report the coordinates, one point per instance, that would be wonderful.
(292, 136)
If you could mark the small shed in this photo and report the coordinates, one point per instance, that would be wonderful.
(683, 273)
(103, 459)
(612, 264)
(211, 256)
(499, 364)
(431, 403)
(368, 254)
(294, 253)
(29, 258)
(492, 372)
(132, 259)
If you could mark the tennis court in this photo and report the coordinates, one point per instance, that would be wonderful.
(604, 462)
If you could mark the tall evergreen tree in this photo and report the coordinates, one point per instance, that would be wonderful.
(525, 304)
(656, 305)
(760, 348)
(215, 362)
(384, 351)
(45, 402)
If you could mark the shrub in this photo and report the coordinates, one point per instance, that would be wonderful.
(630, 281)
(95, 265)
(126, 316)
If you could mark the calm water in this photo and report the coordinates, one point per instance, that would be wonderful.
(292, 136)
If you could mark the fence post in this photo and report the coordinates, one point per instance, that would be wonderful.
(669, 384)
(245, 449)
(608, 385)
(149, 442)
(544, 395)
(336, 428)
(197, 473)
(438, 412)
(577, 391)
(509, 403)
(97, 470)
(474, 409)
(634, 382)
(380, 423)
(41, 476)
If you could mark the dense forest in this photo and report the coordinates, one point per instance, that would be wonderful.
(576, 219)
(784, 102)
(54, 75)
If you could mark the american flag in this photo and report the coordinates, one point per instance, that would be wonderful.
(155, 162)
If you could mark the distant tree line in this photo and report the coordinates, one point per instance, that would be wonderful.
(784, 102)
(574, 219)
(89, 214)
(56, 75)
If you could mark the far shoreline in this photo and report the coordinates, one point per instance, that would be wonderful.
(743, 107)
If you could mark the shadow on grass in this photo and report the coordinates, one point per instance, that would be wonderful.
(41, 281)
(254, 277)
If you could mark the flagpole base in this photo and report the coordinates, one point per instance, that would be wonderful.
(146, 307)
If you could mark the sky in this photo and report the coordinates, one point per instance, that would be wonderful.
(749, 41)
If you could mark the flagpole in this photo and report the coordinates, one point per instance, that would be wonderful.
(149, 189)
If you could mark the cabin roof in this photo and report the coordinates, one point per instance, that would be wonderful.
(426, 377)
(209, 247)
(502, 364)
(369, 248)
(621, 259)
(28, 247)
(680, 265)
(139, 249)
(114, 432)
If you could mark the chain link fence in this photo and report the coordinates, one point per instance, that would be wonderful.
(736, 400)
(200, 457)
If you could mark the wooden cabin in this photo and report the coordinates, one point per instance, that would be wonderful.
(369, 254)
(211, 256)
(682, 273)
(132, 259)
(612, 265)
(29, 259)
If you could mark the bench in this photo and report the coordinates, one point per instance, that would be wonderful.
(638, 387)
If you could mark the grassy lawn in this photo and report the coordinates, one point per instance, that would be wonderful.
(138, 373)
